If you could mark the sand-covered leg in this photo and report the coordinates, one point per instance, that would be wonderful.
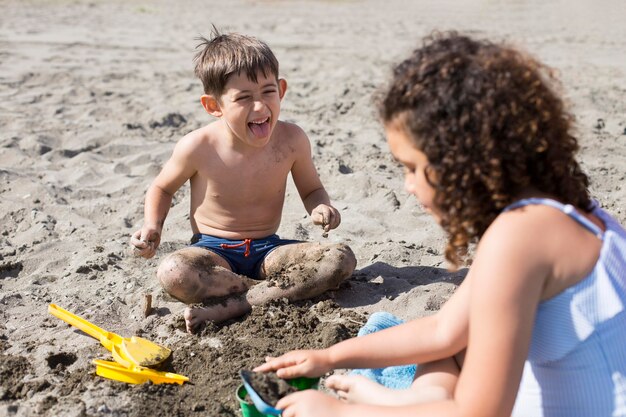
(303, 270)
(192, 275)
(215, 310)
(295, 272)
(195, 275)
(298, 271)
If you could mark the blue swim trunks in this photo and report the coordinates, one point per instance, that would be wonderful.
(245, 257)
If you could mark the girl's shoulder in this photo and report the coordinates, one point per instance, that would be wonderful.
(528, 232)
(546, 239)
(530, 222)
(542, 219)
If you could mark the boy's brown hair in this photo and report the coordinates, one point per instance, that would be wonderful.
(225, 54)
(490, 124)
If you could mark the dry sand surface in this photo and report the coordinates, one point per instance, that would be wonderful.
(93, 96)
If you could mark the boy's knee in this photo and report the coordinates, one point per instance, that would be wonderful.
(344, 262)
(168, 272)
(346, 259)
(174, 275)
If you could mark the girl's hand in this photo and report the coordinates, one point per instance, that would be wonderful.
(326, 216)
(309, 403)
(310, 363)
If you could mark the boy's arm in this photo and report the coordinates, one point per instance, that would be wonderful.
(156, 206)
(176, 171)
(322, 212)
(313, 194)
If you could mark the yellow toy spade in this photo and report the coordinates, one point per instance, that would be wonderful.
(136, 374)
(134, 351)
(125, 371)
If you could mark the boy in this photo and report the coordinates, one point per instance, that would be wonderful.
(237, 167)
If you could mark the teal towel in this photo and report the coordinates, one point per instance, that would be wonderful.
(395, 377)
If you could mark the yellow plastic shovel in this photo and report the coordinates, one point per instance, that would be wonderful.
(127, 351)
(136, 374)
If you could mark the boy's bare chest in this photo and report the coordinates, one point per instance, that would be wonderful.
(240, 175)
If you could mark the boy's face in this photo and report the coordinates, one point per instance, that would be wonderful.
(415, 164)
(250, 109)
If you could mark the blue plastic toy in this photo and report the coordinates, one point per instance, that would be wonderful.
(259, 403)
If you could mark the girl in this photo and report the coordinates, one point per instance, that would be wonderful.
(538, 326)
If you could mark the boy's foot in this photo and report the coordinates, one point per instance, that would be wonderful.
(196, 317)
(198, 314)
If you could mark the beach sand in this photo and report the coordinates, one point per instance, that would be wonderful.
(93, 97)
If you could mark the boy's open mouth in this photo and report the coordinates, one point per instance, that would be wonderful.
(260, 128)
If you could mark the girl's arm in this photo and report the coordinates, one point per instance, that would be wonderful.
(422, 340)
(511, 267)
(513, 264)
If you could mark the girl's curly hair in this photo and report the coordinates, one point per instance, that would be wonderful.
(490, 124)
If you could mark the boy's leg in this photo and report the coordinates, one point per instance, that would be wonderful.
(303, 270)
(193, 275)
(295, 271)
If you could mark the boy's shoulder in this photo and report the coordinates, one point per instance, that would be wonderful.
(290, 132)
(289, 127)
(200, 137)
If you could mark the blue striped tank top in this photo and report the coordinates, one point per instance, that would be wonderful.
(576, 365)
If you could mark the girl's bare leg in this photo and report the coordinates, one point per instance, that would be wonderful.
(434, 381)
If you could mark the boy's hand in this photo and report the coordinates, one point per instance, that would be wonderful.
(326, 216)
(310, 363)
(145, 242)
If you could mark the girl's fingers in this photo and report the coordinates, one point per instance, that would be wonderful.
(289, 372)
(273, 364)
(267, 366)
(290, 400)
(286, 402)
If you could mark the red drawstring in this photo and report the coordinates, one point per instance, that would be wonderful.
(238, 245)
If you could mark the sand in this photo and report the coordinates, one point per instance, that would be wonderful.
(93, 96)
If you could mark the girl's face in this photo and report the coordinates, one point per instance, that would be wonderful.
(415, 166)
